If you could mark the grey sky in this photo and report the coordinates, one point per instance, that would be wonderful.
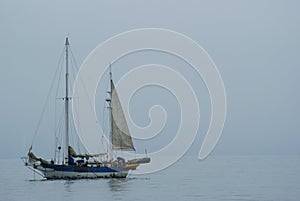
(255, 45)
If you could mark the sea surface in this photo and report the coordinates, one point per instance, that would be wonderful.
(216, 178)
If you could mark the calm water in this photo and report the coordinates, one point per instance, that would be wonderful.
(216, 178)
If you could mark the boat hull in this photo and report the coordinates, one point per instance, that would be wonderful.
(79, 172)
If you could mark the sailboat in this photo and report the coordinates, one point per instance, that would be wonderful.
(75, 165)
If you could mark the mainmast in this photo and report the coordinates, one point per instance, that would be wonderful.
(67, 104)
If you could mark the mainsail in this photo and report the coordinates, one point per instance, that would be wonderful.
(120, 136)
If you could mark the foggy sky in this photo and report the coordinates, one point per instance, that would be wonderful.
(255, 44)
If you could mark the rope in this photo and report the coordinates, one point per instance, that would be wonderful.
(73, 61)
(80, 79)
(56, 123)
(45, 104)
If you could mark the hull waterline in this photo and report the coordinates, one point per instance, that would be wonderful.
(77, 172)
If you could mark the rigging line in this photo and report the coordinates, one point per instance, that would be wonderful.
(105, 124)
(78, 130)
(61, 65)
(74, 111)
(55, 135)
(73, 58)
(56, 123)
(45, 104)
(72, 77)
(60, 137)
(73, 64)
(75, 68)
(81, 81)
(78, 125)
(59, 119)
(80, 146)
(58, 129)
(58, 115)
(55, 138)
(72, 73)
(105, 106)
(75, 138)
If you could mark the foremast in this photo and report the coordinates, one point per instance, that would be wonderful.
(110, 115)
(120, 138)
(66, 154)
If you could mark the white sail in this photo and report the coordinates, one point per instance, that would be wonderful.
(120, 136)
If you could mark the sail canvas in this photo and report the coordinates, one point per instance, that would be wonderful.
(120, 138)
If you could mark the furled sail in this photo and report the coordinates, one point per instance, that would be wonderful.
(120, 138)
(73, 153)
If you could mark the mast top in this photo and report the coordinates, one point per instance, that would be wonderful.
(67, 41)
(110, 74)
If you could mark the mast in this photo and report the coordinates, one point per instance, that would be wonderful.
(110, 112)
(67, 104)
